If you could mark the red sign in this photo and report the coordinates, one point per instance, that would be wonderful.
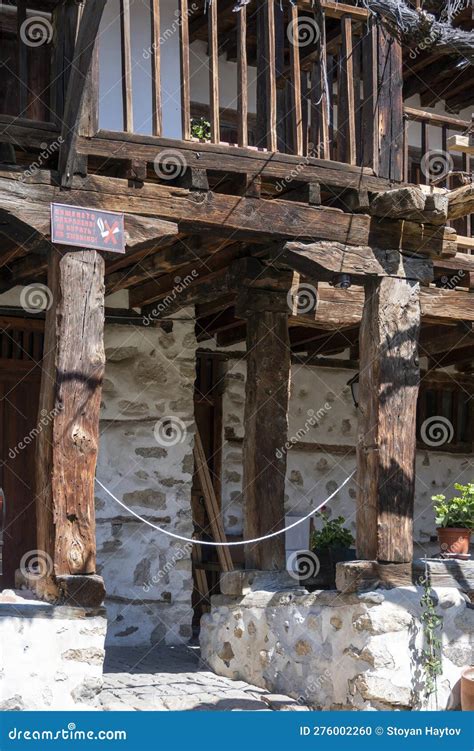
(87, 228)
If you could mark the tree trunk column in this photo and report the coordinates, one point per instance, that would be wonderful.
(388, 392)
(71, 384)
(266, 425)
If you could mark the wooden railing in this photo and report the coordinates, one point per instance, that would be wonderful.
(318, 91)
(433, 162)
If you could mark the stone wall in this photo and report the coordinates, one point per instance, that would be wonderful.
(51, 657)
(334, 651)
(321, 410)
(146, 460)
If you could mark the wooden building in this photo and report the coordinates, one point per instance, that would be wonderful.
(260, 158)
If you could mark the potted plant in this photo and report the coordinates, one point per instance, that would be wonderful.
(467, 689)
(455, 520)
(332, 544)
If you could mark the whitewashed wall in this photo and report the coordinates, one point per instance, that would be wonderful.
(312, 475)
(149, 376)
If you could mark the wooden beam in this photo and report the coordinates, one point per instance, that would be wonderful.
(461, 144)
(266, 425)
(225, 158)
(212, 506)
(461, 201)
(87, 34)
(71, 384)
(243, 217)
(313, 259)
(388, 392)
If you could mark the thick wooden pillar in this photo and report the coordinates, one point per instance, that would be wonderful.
(266, 425)
(72, 373)
(388, 391)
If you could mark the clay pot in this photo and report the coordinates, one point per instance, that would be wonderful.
(467, 690)
(454, 540)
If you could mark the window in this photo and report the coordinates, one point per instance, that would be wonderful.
(445, 413)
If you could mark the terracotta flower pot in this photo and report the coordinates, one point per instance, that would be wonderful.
(467, 690)
(454, 540)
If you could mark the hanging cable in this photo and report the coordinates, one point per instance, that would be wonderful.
(224, 544)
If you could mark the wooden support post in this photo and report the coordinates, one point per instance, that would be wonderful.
(71, 386)
(266, 424)
(388, 391)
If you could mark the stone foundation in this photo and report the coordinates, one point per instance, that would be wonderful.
(335, 651)
(51, 657)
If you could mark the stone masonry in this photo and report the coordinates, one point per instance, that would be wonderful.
(51, 657)
(335, 651)
(146, 460)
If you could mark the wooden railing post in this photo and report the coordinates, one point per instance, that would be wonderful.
(71, 384)
(370, 134)
(388, 391)
(390, 106)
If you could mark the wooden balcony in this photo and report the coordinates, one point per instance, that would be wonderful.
(267, 80)
(279, 97)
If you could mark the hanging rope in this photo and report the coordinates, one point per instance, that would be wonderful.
(224, 544)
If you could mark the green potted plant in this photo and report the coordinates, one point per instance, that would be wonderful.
(332, 544)
(455, 520)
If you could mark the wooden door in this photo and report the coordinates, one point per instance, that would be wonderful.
(19, 398)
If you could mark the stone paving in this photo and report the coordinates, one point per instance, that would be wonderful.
(175, 678)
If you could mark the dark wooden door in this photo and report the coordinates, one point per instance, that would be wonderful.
(19, 399)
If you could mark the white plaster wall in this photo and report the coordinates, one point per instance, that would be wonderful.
(149, 376)
(51, 657)
(312, 475)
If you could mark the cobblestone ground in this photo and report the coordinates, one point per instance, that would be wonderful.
(175, 678)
